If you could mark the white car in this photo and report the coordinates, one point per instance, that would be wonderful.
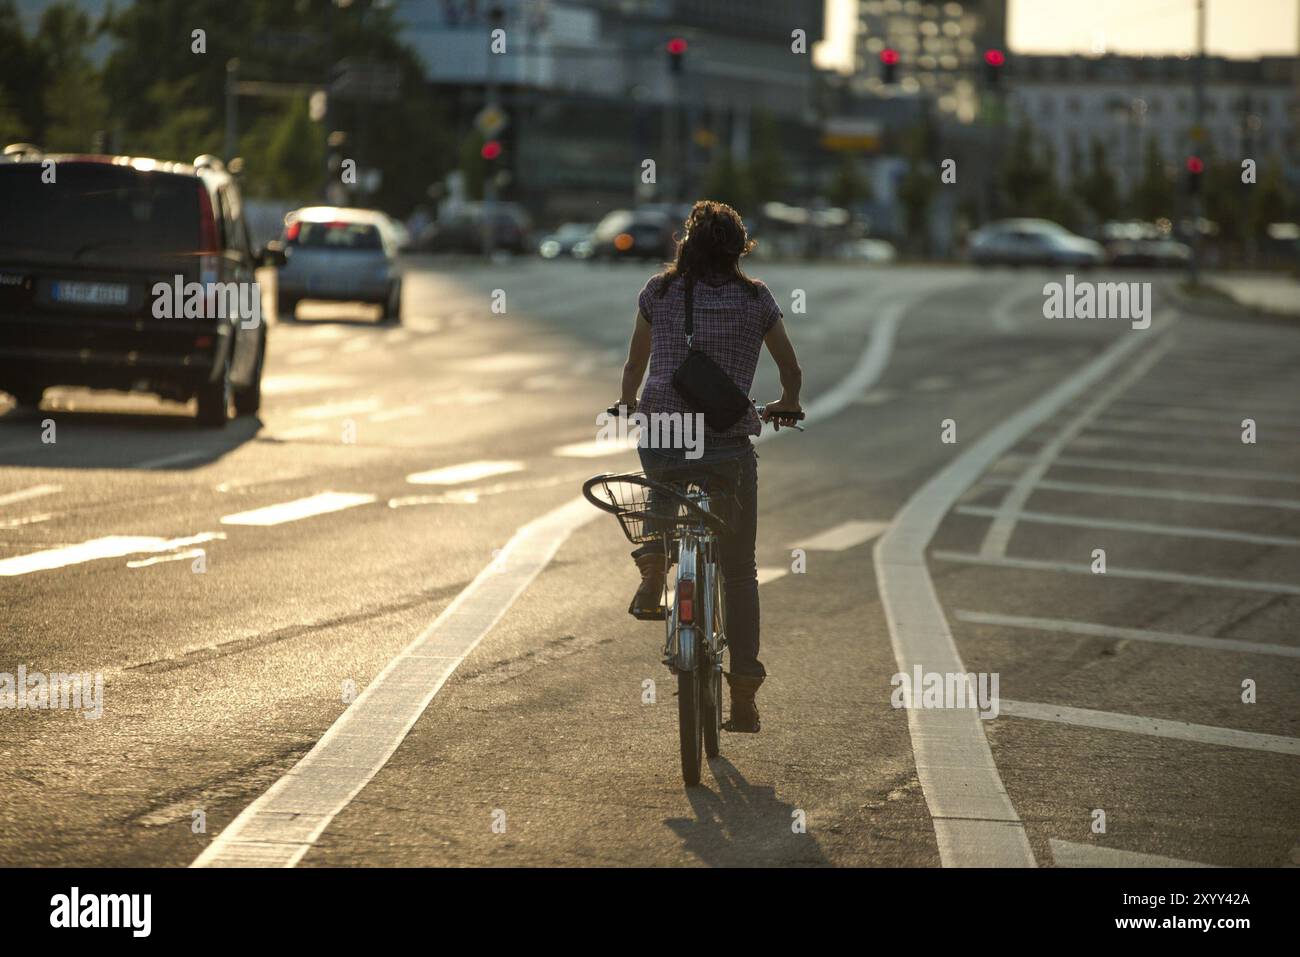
(1032, 242)
(340, 254)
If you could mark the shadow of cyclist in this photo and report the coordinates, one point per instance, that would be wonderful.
(743, 825)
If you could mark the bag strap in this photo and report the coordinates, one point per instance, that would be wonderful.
(690, 313)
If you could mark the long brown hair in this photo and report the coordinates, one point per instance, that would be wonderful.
(712, 244)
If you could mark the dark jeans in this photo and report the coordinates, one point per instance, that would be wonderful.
(734, 468)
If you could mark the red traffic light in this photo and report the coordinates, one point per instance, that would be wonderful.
(994, 57)
(889, 56)
(491, 150)
(1194, 165)
(676, 46)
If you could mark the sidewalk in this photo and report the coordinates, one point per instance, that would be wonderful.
(1272, 293)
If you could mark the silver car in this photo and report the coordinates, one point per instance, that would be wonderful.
(344, 255)
(1032, 242)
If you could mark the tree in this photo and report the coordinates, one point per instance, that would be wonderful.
(767, 168)
(728, 182)
(75, 105)
(849, 188)
(1098, 188)
(1156, 194)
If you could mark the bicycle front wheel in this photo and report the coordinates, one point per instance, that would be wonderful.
(689, 723)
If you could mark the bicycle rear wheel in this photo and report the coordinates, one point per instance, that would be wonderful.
(711, 673)
(689, 725)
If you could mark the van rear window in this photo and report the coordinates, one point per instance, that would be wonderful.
(334, 235)
(93, 210)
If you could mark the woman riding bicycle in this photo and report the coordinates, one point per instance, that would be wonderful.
(733, 316)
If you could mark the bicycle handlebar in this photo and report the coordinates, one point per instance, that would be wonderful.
(788, 419)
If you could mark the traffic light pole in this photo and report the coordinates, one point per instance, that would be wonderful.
(1198, 98)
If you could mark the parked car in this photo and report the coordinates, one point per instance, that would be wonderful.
(89, 262)
(867, 250)
(461, 230)
(633, 234)
(340, 254)
(1138, 243)
(1032, 242)
(571, 239)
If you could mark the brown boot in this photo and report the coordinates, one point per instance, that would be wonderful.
(744, 712)
(648, 602)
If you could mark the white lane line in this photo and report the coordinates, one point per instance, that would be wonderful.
(290, 384)
(934, 383)
(111, 546)
(1093, 630)
(1001, 311)
(1149, 528)
(179, 556)
(359, 344)
(27, 520)
(22, 495)
(1192, 400)
(1161, 468)
(1164, 494)
(399, 412)
(303, 432)
(1157, 727)
(975, 823)
(301, 804)
(334, 410)
(174, 459)
(1140, 574)
(770, 573)
(464, 472)
(597, 447)
(878, 397)
(278, 828)
(510, 362)
(843, 536)
(301, 508)
(1000, 530)
(1067, 854)
(303, 356)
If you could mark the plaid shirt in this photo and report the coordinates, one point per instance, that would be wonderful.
(730, 323)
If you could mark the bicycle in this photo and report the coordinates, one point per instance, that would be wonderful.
(680, 510)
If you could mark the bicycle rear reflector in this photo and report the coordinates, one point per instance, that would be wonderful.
(686, 602)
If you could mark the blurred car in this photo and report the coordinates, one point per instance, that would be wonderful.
(461, 230)
(634, 234)
(83, 269)
(867, 250)
(571, 239)
(340, 254)
(1138, 243)
(1032, 242)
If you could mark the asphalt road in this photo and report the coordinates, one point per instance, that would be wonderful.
(532, 721)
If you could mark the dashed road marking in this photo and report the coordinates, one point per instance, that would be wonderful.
(843, 536)
(770, 573)
(1163, 468)
(291, 383)
(399, 412)
(111, 546)
(301, 508)
(303, 356)
(175, 459)
(464, 472)
(335, 410)
(23, 495)
(1093, 630)
(1157, 727)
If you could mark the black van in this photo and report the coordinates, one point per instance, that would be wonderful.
(97, 254)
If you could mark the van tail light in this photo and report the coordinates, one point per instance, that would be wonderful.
(209, 244)
(686, 602)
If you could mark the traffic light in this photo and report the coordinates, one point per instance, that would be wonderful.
(888, 66)
(1195, 171)
(491, 150)
(676, 48)
(994, 60)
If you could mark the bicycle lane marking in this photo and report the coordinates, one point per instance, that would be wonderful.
(279, 827)
(975, 823)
